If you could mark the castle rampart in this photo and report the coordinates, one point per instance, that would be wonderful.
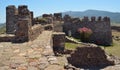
(19, 22)
(100, 26)
(58, 16)
(11, 12)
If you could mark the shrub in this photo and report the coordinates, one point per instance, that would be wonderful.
(85, 34)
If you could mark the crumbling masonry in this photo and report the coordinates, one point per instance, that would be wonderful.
(101, 28)
(11, 19)
(19, 22)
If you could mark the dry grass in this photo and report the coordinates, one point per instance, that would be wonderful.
(114, 49)
(115, 33)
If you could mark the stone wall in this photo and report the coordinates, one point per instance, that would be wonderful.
(23, 25)
(48, 27)
(101, 28)
(22, 31)
(6, 38)
(89, 56)
(58, 26)
(58, 41)
(58, 16)
(46, 15)
(43, 20)
(32, 17)
(25, 30)
(11, 18)
(35, 31)
(20, 22)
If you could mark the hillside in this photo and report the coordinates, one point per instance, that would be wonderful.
(2, 25)
(115, 16)
(2, 28)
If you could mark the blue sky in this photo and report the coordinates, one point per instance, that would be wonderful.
(40, 7)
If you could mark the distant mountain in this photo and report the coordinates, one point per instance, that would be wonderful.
(114, 16)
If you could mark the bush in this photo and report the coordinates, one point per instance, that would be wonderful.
(85, 34)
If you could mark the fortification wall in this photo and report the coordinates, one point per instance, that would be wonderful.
(6, 38)
(58, 42)
(89, 56)
(101, 29)
(35, 31)
(20, 23)
(11, 18)
(22, 31)
(58, 16)
(23, 24)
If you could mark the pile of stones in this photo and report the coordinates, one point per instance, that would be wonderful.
(89, 56)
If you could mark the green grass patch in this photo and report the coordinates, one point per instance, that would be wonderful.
(70, 46)
(114, 49)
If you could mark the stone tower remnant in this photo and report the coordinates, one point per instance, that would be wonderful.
(23, 24)
(11, 18)
(19, 22)
(58, 41)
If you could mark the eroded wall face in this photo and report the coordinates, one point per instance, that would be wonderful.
(20, 22)
(101, 29)
(58, 41)
(23, 24)
(11, 19)
(21, 34)
(89, 56)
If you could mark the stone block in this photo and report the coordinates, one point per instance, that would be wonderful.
(58, 41)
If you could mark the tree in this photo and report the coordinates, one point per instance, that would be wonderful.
(85, 33)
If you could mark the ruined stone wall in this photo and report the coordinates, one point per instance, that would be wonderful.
(89, 56)
(35, 31)
(43, 20)
(32, 17)
(101, 29)
(58, 16)
(58, 26)
(23, 24)
(20, 22)
(58, 41)
(46, 15)
(11, 19)
(6, 38)
(22, 31)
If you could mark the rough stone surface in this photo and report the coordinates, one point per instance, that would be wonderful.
(28, 55)
(58, 41)
(11, 12)
(58, 16)
(19, 22)
(89, 56)
(101, 28)
(54, 67)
